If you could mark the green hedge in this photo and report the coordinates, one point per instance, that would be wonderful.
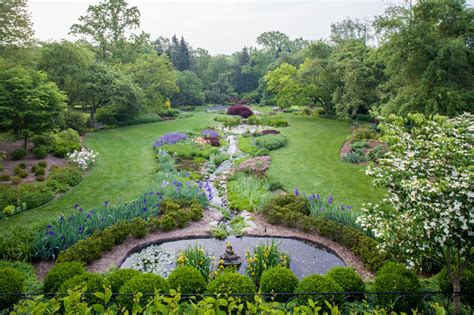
(60, 273)
(11, 281)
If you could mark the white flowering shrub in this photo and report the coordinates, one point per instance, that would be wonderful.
(428, 172)
(84, 159)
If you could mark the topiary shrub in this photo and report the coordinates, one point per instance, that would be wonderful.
(319, 283)
(60, 273)
(278, 279)
(348, 279)
(140, 227)
(232, 282)
(144, 283)
(166, 222)
(93, 281)
(117, 278)
(39, 171)
(120, 231)
(4, 177)
(18, 154)
(393, 277)
(40, 152)
(240, 110)
(188, 280)
(11, 281)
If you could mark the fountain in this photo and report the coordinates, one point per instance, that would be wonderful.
(230, 258)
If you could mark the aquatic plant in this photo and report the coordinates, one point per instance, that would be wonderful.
(265, 256)
(195, 256)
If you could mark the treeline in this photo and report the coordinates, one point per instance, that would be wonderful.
(410, 59)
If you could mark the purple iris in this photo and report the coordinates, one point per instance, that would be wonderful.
(349, 208)
(106, 203)
(76, 205)
(342, 207)
(62, 237)
(170, 138)
(51, 233)
(209, 133)
(296, 192)
(145, 209)
(330, 199)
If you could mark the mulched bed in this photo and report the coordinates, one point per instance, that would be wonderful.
(346, 148)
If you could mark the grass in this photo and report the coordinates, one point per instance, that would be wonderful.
(125, 167)
(310, 162)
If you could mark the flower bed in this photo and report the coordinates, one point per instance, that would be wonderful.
(170, 138)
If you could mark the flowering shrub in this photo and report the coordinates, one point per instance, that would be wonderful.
(263, 258)
(83, 159)
(240, 110)
(428, 208)
(170, 138)
(255, 166)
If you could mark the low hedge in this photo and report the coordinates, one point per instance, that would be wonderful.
(360, 244)
(347, 278)
(11, 281)
(319, 283)
(232, 282)
(279, 280)
(60, 273)
(187, 280)
(117, 278)
(145, 282)
(93, 282)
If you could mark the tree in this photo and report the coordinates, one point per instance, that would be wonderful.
(29, 103)
(359, 75)
(428, 175)
(350, 30)
(191, 89)
(284, 84)
(106, 26)
(103, 86)
(15, 24)
(184, 56)
(245, 78)
(156, 77)
(429, 57)
(221, 89)
(66, 63)
(275, 42)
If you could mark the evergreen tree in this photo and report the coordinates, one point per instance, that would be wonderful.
(184, 56)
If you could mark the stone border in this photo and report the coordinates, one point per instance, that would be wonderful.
(119, 253)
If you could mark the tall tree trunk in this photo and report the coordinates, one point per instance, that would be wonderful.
(25, 142)
(456, 296)
(92, 118)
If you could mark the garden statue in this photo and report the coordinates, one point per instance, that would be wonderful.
(230, 258)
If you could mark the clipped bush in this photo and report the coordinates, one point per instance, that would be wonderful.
(232, 282)
(4, 177)
(318, 283)
(393, 277)
(145, 283)
(187, 280)
(39, 171)
(20, 171)
(18, 154)
(117, 278)
(347, 278)
(40, 152)
(42, 164)
(120, 231)
(271, 142)
(60, 273)
(240, 110)
(28, 271)
(35, 194)
(40, 178)
(140, 227)
(61, 178)
(15, 180)
(11, 281)
(93, 281)
(280, 280)
(166, 222)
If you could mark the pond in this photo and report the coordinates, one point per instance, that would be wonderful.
(306, 258)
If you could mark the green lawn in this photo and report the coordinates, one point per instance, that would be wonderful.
(125, 168)
(310, 162)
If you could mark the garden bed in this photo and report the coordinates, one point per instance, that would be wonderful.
(346, 148)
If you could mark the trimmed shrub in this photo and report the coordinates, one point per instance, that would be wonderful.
(40, 152)
(140, 227)
(318, 283)
(34, 194)
(93, 281)
(278, 279)
(30, 281)
(61, 178)
(4, 177)
(393, 277)
(117, 278)
(39, 171)
(18, 154)
(15, 180)
(40, 178)
(240, 110)
(60, 273)
(145, 283)
(20, 171)
(232, 282)
(11, 281)
(347, 278)
(120, 231)
(271, 142)
(166, 222)
(188, 280)
(42, 164)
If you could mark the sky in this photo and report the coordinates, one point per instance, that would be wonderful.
(221, 27)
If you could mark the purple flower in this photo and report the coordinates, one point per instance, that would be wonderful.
(330, 199)
(49, 226)
(349, 208)
(81, 210)
(106, 203)
(296, 192)
(51, 233)
(209, 133)
(89, 215)
(145, 209)
(62, 237)
(187, 174)
(342, 207)
(170, 138)
(76, 205)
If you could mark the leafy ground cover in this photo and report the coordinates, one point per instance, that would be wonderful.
(125, 168)
(310, 162)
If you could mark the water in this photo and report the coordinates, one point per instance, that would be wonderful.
(305, 258)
